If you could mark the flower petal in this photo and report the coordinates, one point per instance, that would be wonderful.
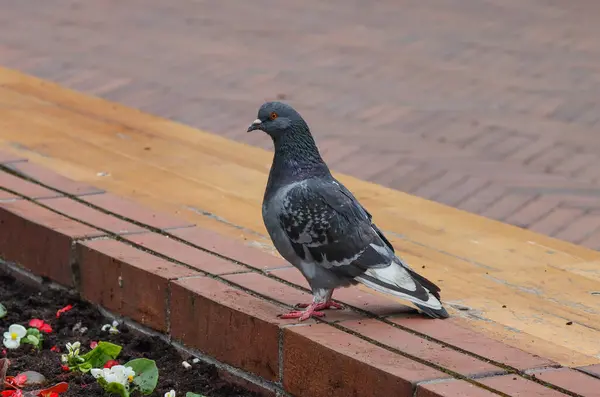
(96, 372)
(36, 323)
(17, 329)
(10, 343)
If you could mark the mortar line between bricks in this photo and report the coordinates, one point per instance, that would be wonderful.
(462, 200)
(253, 293)
(593, 375)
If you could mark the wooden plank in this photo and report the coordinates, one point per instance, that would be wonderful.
(522, 287)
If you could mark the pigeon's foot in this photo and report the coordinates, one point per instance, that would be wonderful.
(312, 310)
(322, 306)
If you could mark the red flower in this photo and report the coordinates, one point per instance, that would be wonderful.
(111, 363)
(53, 391)
(63, 310)
(36, 323)
(55, 349)
(65, 368)
(93, 344)
(41, 325)
(12, 393)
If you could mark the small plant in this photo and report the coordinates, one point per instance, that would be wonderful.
(18, 334)
(95, 358)
(140, 375)
(111, 328)
(3, 310)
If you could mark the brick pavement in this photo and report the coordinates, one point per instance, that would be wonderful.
(488, 106)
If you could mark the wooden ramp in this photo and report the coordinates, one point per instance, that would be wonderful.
(527, 290)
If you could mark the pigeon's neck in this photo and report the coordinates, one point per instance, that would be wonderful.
(296, 158)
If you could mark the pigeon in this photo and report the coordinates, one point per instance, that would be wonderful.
(318, 225)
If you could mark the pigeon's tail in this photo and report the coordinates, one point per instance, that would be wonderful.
(404, 283)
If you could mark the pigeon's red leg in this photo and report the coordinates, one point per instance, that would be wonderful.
(311, 311)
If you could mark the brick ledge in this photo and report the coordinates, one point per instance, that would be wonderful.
(221, 298)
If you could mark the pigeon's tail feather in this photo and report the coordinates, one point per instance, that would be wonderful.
(404, 283)
(437, 313)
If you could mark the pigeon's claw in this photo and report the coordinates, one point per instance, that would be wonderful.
(312, 310)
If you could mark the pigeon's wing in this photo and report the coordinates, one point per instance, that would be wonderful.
(349, 194)
(323, 222)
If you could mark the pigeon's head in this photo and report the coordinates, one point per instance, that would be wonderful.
(277, 118)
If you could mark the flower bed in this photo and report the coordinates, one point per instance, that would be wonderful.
(83, 323)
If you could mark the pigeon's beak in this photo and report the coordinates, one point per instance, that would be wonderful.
(256, 125)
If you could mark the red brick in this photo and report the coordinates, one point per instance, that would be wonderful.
(439, 185)
(283, 293)
(516, 386)
(461, 191)
(452, 388)
(571, 380)
(40, 239)
(532, 211)
(6, 157)
(91, 216)
(127, 280)
(506, 206)
(319, 360)
(228, 324)
(187, 254)
(449, 332)
(592, 241)
(555, 220)
(593, 370)
(230, 248)
(21, 186)
(52, 179)
(352, 296)
(580, 228)
(419, 347)
(132, 210)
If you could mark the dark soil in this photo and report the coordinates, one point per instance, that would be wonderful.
(25, 302)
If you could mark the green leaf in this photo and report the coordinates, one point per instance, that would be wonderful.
(115, 388)
(34, 331)
(3, 310)
(190, 394)
(97, 357)
(146, 374)
(31, 340)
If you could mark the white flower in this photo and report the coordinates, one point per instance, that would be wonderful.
(12, 338)
(170, 393)
(117, 374)
(111, 328)
(73, 349)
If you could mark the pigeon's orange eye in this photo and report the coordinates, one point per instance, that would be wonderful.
(273, 116)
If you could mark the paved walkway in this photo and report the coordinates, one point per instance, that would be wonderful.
(486, 105)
